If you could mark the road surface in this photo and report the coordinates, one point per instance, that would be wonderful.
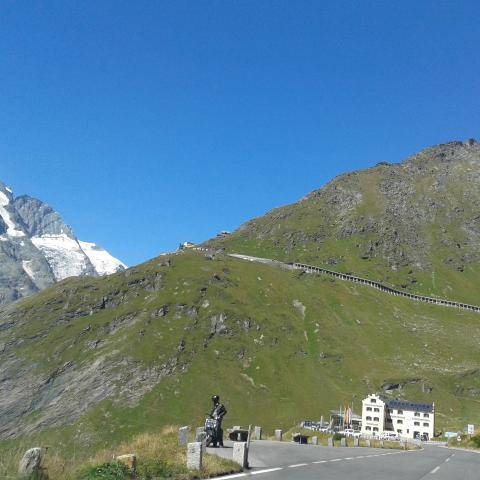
(275, 460)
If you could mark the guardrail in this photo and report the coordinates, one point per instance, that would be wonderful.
(352, 278)
(384, 288)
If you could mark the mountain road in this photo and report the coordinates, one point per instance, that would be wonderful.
(275, 460)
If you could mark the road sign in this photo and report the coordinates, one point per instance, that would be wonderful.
(470, 429)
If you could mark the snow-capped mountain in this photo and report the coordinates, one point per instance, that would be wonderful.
(37, 248)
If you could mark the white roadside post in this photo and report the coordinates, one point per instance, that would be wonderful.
(240, 454)
(195, 456)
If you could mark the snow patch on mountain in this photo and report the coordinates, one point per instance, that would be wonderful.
(64, 255)
(27, 268)
(103, 262)
(11, 227)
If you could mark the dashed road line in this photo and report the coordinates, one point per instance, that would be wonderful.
(435, 469)
(267, 470)
(235, 475)
(276, 469)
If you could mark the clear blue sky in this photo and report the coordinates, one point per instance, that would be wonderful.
(149, 123)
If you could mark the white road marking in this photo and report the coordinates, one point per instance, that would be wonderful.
(335, 460)
(320, 461)
(298, 465)
(348, 458)
(435, 469)
(447, 460)
(266, 470)
(237, 475)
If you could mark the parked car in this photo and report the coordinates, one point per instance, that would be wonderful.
(390, 436)
(350, 432)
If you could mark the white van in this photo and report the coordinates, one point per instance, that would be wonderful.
(390, 436)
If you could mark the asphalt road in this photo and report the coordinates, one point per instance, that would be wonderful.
(275, 460)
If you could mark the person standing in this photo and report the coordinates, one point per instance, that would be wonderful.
(217, 413)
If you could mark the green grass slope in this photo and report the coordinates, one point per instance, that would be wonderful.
(413, 225)
(91, 362)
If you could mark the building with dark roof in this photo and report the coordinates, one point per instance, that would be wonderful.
(406, 419)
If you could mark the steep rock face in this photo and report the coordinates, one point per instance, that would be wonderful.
(408, 224)
(37, 248)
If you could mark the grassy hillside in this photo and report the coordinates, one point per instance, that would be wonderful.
(91, 362)
(414, 225)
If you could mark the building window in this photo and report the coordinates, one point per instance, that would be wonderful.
(368, 428)
(372, 400)
(376, 409)
(417, 424)
(425, 424)
(399, 421)
(369, 419)
(375, 429)
(399, 430)
(376, 419)
(389, 420)
(400, 412)
(425, 415)
(369, 409)
(417, 414)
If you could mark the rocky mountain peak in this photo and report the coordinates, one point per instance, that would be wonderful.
(37, 248)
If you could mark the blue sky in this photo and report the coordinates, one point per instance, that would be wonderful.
(149, 123)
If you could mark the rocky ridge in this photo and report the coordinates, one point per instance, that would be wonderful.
(408, 224)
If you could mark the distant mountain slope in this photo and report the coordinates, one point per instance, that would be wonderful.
(415, 225)
(37, 248)
(90, 361)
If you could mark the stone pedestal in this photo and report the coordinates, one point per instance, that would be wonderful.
(367, 443)
(183, 435)
(258, 433)
(315, 440)
(129, 460)
(343, 442)
(195, 456)
(278, 435)
(240, 454)
(330, 441)
(355, 442)
(381, 444)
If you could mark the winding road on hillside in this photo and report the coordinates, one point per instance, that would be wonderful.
(274, 460)
(363, 281)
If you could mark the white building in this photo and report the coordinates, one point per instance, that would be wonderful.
(408, 419)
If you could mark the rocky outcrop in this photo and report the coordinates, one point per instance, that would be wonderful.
(30, 467)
